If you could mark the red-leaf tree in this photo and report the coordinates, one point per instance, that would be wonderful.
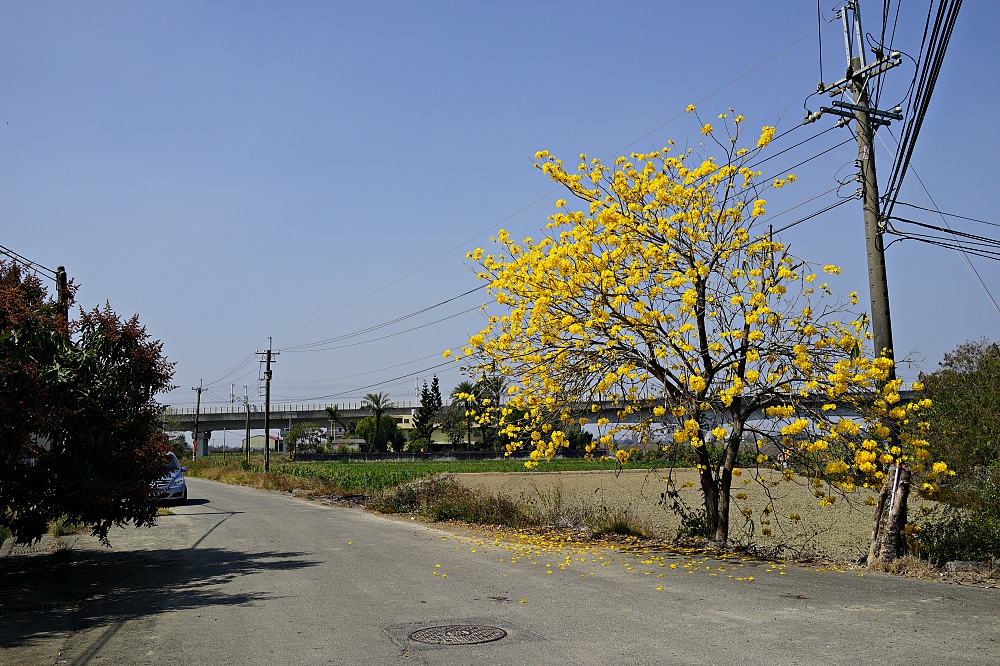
(80, 429)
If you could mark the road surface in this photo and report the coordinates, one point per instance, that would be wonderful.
(243, 576)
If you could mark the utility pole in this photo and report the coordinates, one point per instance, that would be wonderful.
(268, 355)
(890, 512)
(856, 79)
(197, 417)
(62, 292)
(232, 399)
(246, 403)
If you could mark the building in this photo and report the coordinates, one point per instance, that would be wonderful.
(257, 444)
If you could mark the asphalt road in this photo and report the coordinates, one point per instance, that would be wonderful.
(242, 576)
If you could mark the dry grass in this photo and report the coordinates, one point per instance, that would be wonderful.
(909, 566)
(239, 476)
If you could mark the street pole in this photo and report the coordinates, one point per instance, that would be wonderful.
(890, 512)
(859, 74)
(268, 357)
(232, 400)
(197, 417)
(246, 403)
(878, 285)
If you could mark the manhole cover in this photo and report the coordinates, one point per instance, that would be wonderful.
(458, 634)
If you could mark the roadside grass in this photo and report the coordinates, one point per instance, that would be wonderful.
(441, 498)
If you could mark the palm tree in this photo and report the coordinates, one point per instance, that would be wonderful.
(489, 387)
(466, 392)
(334, 414)
(376, 403)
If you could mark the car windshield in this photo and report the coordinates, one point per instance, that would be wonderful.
(170, 462)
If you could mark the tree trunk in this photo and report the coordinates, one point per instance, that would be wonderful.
(468, 428)
(378, 422)
(888, 529)
(710, 491)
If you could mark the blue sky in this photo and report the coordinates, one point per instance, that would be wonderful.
(232, 171)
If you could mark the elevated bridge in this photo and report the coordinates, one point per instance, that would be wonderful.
(284, 417)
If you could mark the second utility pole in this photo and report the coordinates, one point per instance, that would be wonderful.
(268, 357)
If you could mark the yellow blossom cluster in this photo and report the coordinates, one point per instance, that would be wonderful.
(662, 304)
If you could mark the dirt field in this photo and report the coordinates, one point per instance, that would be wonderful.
(840, 531)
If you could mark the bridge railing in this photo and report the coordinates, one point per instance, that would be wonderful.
(293, 408)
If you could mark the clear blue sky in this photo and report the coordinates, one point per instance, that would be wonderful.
(231, 171)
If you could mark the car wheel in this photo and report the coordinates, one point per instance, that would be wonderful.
(184, 498)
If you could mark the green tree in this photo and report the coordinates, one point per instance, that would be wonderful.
(303, 437)
(377, 404)
(81, 434)
(466, 394)
(489, 392)
(379, 436)
(964, 416)
(453, 423)
(425, 420)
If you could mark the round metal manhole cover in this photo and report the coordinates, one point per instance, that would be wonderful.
(458, 634)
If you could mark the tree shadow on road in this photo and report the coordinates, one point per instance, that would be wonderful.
(77, 589)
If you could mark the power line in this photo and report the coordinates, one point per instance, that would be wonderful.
(796, 166)
(34, 265)
(360, 374)
(814, 136)
(391, 335)
(550, 193)
(939, 212)
(929, 66)
(345, 336)
(812, 215)
(387, 381)
(966, 261)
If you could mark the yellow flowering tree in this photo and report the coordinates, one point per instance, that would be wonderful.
(661, 304)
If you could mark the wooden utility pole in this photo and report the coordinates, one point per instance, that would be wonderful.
(62, 292)
(197, 417)
(246, 404)
(268, 355)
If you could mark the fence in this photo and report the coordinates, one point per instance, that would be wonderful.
(240, 409)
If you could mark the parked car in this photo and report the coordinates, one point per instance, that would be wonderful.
(171, 489)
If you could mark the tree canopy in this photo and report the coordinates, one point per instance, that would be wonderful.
(80, 430)
(381, 438)
(304, 437)
(662, 299)
(425, 422)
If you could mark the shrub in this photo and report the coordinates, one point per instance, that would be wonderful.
(444, 499)
(967, 527)
(617, 522)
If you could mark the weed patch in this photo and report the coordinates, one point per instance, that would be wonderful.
(443, 499)
(63, 527)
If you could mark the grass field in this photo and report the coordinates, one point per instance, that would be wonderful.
(367, 477)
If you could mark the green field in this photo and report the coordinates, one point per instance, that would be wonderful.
(369, 477)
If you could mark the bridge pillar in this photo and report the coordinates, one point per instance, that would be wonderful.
(202, 443)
